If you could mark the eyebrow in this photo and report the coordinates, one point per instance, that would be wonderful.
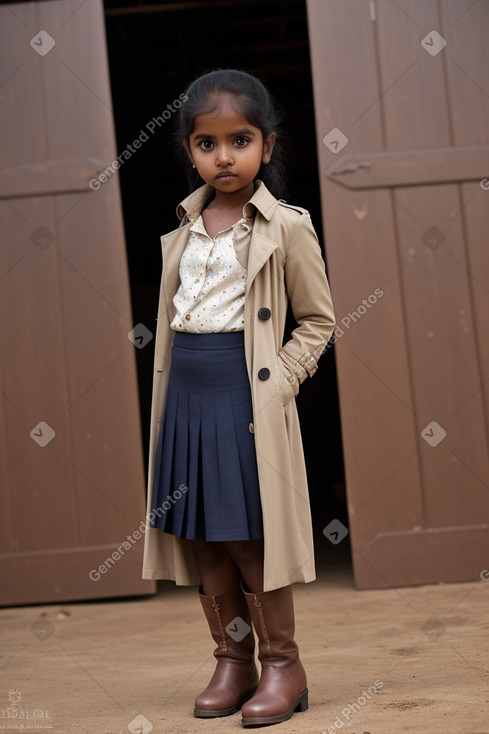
(235, 133)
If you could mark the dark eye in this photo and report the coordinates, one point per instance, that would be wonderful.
(241, 142)
(206, 144)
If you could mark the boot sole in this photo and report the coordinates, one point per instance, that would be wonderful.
(214, 714)
(301, 703)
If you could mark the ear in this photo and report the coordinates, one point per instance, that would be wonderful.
(187, 148)
(268, 144)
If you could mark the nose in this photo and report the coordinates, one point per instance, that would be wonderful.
(223, 156)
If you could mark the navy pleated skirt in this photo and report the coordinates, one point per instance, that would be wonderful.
(206, 478)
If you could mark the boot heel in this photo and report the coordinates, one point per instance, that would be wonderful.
(303, 703)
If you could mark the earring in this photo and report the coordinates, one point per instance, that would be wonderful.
(193, 165)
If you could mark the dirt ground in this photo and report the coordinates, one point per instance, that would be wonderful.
(382, 662)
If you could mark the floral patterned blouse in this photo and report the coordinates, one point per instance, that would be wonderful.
(213, 279)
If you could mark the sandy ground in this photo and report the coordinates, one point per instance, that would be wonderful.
(421, 655)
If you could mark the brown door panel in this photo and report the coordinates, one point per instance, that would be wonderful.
(402, 125)
(72, 493)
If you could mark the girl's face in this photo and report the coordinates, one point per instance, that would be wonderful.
(227, 150)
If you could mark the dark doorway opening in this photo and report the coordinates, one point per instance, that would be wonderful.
(155, 50)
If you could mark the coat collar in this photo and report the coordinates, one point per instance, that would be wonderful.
(174, 243)
(193, 205)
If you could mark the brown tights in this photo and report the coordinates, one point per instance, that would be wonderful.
(222, 565)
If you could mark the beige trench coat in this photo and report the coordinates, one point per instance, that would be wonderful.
(284, 260)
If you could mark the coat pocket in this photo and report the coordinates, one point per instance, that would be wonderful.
(288, 381)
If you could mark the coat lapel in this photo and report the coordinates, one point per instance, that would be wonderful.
(260, 250)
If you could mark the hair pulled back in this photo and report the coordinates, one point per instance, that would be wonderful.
(250, 98)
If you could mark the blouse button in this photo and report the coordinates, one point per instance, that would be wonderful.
(187, 316)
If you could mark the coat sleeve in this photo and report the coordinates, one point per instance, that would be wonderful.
(310, 297)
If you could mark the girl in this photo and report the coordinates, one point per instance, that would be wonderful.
(227, 492)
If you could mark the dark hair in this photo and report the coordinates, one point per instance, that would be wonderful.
(252, 100)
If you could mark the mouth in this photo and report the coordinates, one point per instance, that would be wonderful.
(226, 176)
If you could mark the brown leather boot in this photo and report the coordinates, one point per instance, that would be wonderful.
(283, 685)
(236, 676)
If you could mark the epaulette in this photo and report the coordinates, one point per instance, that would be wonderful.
(290, 206)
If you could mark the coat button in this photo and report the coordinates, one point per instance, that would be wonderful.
(264, 313)
(264, 373)
(251, 428)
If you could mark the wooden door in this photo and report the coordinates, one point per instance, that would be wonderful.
(402, 110)
(72, 479)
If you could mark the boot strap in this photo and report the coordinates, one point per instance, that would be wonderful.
(258, 605)
(216, 607)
